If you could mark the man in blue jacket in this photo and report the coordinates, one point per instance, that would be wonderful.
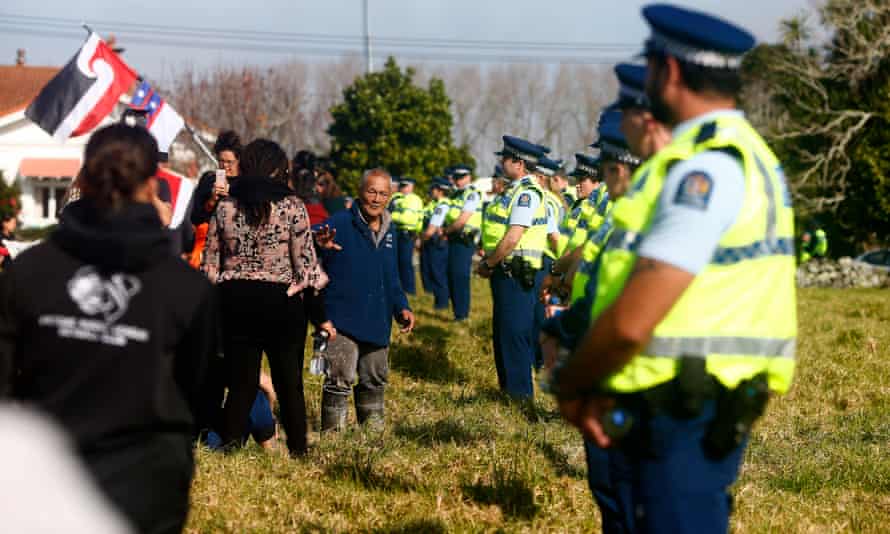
(361, 299)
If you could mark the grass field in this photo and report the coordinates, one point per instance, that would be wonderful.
(455, 457)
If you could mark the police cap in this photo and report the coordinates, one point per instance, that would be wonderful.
(521, 149)
(695, 37)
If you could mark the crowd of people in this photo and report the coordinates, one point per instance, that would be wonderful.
(655, 296)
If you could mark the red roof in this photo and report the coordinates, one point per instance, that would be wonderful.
(19, 84)
(49, 167)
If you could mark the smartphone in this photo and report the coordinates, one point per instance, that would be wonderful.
(221, 178)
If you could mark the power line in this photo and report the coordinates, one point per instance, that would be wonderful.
(381, 51)
(260, 35)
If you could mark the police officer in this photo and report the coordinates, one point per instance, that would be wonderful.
(694, 320)
(586, 173)
(463, 225)
(407, 214)
(813, 243)
(514, 241)
(546, 169)
(435, 247)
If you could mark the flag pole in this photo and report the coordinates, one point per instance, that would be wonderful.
(200, 143)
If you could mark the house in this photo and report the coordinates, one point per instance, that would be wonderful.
(42, 166)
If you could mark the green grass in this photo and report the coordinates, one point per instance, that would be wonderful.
(457, 457)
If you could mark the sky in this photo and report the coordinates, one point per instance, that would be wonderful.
(163, 35)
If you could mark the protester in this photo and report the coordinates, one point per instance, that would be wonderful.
(303, 183)
(362, 298)
(8, 224)
(260, 250)
(304, 160)
(103, 329)
(326, 185)
(208, 193)
(260, 421)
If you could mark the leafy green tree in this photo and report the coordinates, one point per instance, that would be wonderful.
(10, 198)
(386, 120)
(828, 117)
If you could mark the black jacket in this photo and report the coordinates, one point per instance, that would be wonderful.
(105, 330)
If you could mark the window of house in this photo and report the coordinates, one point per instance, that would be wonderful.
(43, 193)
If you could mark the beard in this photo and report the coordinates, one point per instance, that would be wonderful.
(659, 108)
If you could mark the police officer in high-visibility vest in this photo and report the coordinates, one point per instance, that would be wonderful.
(694, 317)
(407, 214)
(463, 226)
(513, 242)
(553, 204)
(435, 247)
(586, 173)
(644, 136)
(499, 184)
(813, 244)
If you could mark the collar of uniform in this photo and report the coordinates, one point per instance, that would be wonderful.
(687, 125)
(528, 179)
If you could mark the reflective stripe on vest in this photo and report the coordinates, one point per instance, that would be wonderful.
(474, 223)
(739, 312)
(534, 238)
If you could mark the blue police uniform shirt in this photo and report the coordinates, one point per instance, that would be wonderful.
(472, 202)
(439, 212)
(552, 220)
(523, 212)
(701, 198)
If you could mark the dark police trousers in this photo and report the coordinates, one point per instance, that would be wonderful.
(512, 331)
(435, 261)
(539, 310)
(460, 263)
(405, 256)
(667, 485)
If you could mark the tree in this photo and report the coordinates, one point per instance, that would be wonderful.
(828, 118)
(386, 120)
(10, 198)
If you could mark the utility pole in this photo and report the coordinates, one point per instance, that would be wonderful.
(368, 57)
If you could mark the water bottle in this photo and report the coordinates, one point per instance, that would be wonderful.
(318, 365)
(554, 307)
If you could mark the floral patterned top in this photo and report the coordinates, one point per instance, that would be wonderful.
(281, 250)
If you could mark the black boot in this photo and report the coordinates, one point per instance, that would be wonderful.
(369, 407)
(334, 409)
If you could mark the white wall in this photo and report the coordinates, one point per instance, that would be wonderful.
(20, 139)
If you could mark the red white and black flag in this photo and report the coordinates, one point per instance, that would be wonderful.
(83, 93)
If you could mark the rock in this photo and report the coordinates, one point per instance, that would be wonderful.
(841, 274)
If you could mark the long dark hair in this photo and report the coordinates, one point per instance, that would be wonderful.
(262, 159)
(118, 159)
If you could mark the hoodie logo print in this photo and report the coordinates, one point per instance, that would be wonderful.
(95, 295)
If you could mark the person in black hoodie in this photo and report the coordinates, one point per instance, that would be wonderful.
(105, 330)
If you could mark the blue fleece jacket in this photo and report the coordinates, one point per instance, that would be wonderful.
(364, 293)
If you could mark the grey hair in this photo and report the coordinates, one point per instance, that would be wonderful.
(376, 171)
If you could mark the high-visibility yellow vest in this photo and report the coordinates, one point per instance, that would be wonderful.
(554, 203)
(595, 243)
(488, 208)
(534, 240)
(407, 211)
(428, 210)
(740, 311)
(568, 225)
(458, 200)
(593, 213)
